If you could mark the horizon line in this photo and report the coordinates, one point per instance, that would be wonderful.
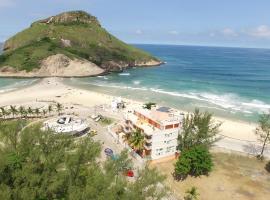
(189, 45)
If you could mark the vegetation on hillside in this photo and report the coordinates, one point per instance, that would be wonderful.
(90, 41)
(41, 165)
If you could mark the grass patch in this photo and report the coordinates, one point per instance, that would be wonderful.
(105, 121)
(233, 175)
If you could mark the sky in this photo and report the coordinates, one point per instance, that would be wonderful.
(236, 23)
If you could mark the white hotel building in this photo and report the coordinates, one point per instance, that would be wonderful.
(160, 127)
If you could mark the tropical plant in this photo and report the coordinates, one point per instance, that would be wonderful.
(195, 161)
(149, 105)
(43, 165)
(263, 132)
(59, 108)
(13, 110)
(127, 137)
(267, 167)
(30, 111)
(192, 194)
(4, 112)
(50, 109)
(22, 111)
(44, 112)
(37, 112)
(136, 140)
(198, 129)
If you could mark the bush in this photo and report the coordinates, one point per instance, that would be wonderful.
(195, 162)
(149, 105)
(267, 167)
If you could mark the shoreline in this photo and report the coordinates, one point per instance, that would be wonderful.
(236, 135)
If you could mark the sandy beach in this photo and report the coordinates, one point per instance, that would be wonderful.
(237, 135)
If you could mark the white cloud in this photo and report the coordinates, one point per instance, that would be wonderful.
(229, 32)
(174, 32)
(139, 32)
(262, 31)
(6, 3)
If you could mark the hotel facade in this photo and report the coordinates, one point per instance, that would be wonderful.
(160, 127)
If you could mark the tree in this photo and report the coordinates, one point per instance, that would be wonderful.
(192, 194)
(263, 132)
(30, 111)
(22, 111)
(267, 166)
(37, 111)
(50, 109)
(44, 165)
(137, 140)
(13, 110)
(198, 129)
(4, 112)
(59, 108)
(149, 105)
(44, 112)
(195, 161)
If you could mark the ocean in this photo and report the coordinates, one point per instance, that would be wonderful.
(10, 84)
(229, 82)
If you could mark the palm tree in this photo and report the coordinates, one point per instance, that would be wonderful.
(37, 112)
(127, 137)
(30, 111)
(137, 140)
(44, 112)
(50, 109)
(22, 111)
(4, 112)
(192, 194)
(13, 110)
(59, 108)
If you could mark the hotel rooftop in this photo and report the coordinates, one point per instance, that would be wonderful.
(158, 118)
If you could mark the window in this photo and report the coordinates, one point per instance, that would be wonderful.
(169, 126)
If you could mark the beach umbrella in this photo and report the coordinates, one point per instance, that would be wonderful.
(108, 152)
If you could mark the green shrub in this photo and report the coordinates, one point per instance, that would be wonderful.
(195, 162)
(267, 167)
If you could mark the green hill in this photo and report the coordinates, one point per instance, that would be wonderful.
(76, 35)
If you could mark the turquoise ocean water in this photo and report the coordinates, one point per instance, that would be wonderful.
(10, 84)
(230, 82)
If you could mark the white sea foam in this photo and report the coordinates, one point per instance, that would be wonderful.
(136, 82)
(227, 102)
(124, 74)
(17, 85)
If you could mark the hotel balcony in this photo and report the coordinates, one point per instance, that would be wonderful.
(148, 146)
(148, 139)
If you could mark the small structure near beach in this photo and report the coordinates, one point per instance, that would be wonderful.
(68, 125)
(117, 103)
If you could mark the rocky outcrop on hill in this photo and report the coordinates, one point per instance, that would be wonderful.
(57, 65)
